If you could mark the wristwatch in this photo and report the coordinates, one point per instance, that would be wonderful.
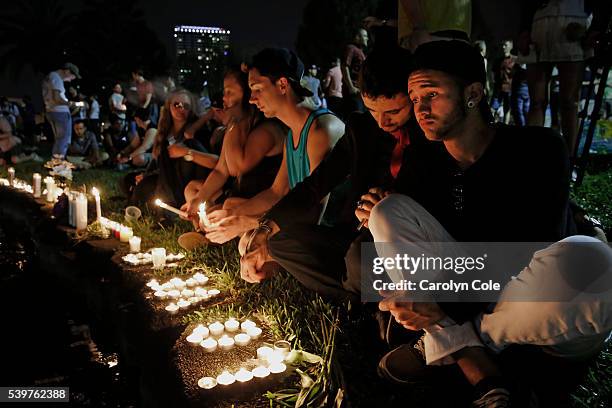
(189, 156)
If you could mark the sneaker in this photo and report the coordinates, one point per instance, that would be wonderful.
(192, 240)
(405, 364)
(495, 398)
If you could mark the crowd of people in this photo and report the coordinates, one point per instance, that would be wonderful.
(392, 145)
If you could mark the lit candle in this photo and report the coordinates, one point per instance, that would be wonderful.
(203, 216)
(243, 375)
(81, 212)
(207, 383)
(152, 282)
(161, 294)
(174, 293)
(216, 328)
(125, 233)
(283, 347)
(276, 368)
(135, 244)
(231, 325)
(37, 180)
(50, 183)
(179, 284)
(264, 352)
(200, 278)
(194, 300)
(201, 330)
(172, 308)
(209, 344)
(225, 378)
(200, 292)
(261, 372)
(225, 342)
(165, 206)
(254, 332)
(247, 324)
(183, 304)
(191, 282)
(195, 339)
(11, 176)
(159, 257)
(96, 195)
(167, 286)
(213, 292)
(187, 293)
(71, 209)
(242, 339)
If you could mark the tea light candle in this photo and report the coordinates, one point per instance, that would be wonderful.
(191, 282)
(213, 292)
(135, 244)
(254, 332)
(187, 293)
(159, 257)
(125, 233)
(201, 330)
(194, 300)
(152, 282)
(216, 328)
(209, 344)
(81, 212)
(167, 286)
(11, 176)
(195, 339)
(276, 368)
(261, 372)
(172, 308)
(200, 278)
(161, 294)
(183, 304)
(207, 383)
(174, 293)
(200, 292)
(225, 378)
(231, 325)
(179, 284)
(243, 375)
(264, 352)
(247, 324)
(96, 195)
(225, 342)
(242, 339)
(275, 357)
(37, 181)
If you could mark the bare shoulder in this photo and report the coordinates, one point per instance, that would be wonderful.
(328, 127)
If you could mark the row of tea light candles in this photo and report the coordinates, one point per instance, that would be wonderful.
(187, 292)
(271, 361)
(216, 334)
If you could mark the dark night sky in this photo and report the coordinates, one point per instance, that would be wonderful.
(252, 23)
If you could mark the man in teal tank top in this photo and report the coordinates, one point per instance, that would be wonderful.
(274, 79)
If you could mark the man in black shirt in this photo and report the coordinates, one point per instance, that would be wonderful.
(481, 182)
(371, 153)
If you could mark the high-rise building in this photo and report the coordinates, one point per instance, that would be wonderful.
(202, 54)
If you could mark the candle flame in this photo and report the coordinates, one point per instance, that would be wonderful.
(158, 202)
(95, 191)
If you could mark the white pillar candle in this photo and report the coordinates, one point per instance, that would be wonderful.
(209, 344)
(261, 372)
(71, 209)
(125, 233)
(225, 342)
(243, 375)
(254, 332)
(225, 378)
(96, 195)
(165, 206)
(135, 244)
(50, 184)
(11, 176)
(172, 308)
(207, 383)
(247, 324)
(231, 325)
(201, 330)
(37, 182)
(158, 257)
(81, 212)
(216, 328)
(242, 339)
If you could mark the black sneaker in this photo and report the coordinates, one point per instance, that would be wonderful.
(405, 364)
(494, 398)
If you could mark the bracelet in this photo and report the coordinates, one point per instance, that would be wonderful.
(263, 226)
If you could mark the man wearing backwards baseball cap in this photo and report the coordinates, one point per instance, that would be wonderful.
(485, 183)
(274, 79)
(57, 106)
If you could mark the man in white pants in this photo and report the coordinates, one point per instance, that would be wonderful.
(484, 183)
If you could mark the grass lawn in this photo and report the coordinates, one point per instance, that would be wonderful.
(295, 314)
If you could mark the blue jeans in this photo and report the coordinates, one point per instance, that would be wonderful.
(520, 104)
(61, 123)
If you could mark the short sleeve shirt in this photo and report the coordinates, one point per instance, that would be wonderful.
(353, 58)
(52, 82)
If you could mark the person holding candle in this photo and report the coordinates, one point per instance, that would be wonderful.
(274, 77)
(251, 153)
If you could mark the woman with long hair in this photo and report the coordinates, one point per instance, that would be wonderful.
(251, 154)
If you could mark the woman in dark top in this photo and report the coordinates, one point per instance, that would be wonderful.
(252, 148)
